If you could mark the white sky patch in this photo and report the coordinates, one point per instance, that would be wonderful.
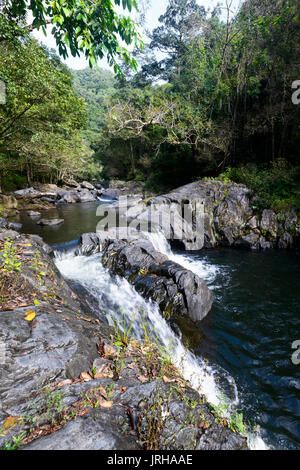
(157, 8)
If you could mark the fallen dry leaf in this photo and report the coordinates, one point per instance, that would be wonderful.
(132, 365)
(167, 380)
(63, 383)
(104, 371)
(30, 315)
(109, 350)
(103, 392)
(142, 378)
(10, 422)
(105, 403)
(85, 376)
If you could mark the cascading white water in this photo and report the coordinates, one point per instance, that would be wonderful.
(122, 303)
(162, 245)
(207, 272)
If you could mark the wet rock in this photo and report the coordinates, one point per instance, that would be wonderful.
(8, 234)
(176, 290)
(250, 241)
(90, 243)
(6, 225)
(268, 223)
(266, 245)
(70, 197)
(57, 345)
(47, 354)
(50, 222)
(115, 428)
(46, 248)
(87, 185)
(26, 192)
(227, 214)
(98, 186)
(111, 193)
(217, 213)
(285, 241)
(86, 196)
(33, 214)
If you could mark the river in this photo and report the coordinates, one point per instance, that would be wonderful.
(242, 349)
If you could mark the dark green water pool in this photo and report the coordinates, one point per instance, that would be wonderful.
(250, 331)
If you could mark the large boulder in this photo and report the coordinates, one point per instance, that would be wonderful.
(175, 289)
(26, 192)
(69, 197)
(50, 222)
(268, 223)
(33, 214)
(211, 213)
(6, 225)
(111, 193)
(224, 209)
(87, 196)
(87, 185)
(127, 188)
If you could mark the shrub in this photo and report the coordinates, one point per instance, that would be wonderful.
(276, 186)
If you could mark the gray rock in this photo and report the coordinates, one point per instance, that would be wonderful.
(111, 193)
(269, 222)
(285, 241)
(89, 433)
(47, 249)
(266, 245)
(33, 214)
(9, 234)
(58, 345)
(5, 224)
(248, 241)
(107, 429)
(87, 185)
(72, 184)
(26, 192)
(70, 197)
(177, 291)
(50, 222)
(86, 196)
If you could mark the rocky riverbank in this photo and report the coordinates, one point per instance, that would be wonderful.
(70, 381)
(45, 196)
(231, 217)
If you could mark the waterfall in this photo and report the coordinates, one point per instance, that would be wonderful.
(124, 305)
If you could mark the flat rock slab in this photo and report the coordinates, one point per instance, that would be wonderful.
(50, 222)
(33, 214)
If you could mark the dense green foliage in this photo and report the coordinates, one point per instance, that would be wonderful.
(216, 102)
(42, 120)
(225, 100)
(92, 27)
(276, 185)
(96, 86)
